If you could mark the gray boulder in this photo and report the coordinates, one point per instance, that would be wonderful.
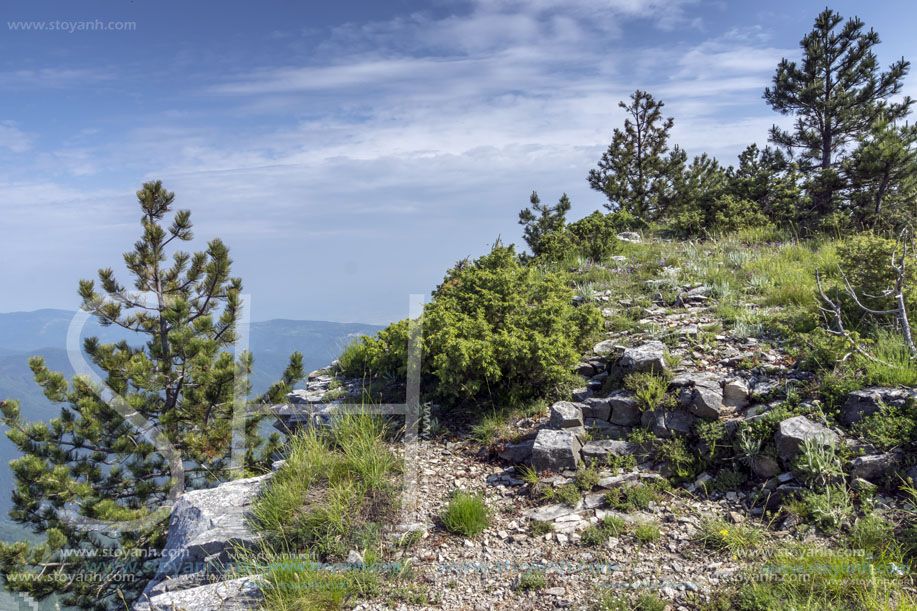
(625, 411)
(765, 466)
(598, 450)
(667, 424)
(630, 236)
(867, 401)
(736, 393)
(565, 415)
(701, 394)
(597, 408)
(517, 452)
(605, 347)
(647, 358)
(555, 450)
(793, 432)
(872, 467)
(239, 594)
(205, 528)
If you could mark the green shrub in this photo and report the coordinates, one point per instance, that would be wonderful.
(466, 514)
(890, 427)
(612, 601)
(647, 532)
(631, 498)
(496, 333)
(866, 261)
(593, 237)
(718, 534)
(650, 389)
(569, 494)
(818, 463)
(683, 463)
(829, 509)
(532, 580)
(539, 528)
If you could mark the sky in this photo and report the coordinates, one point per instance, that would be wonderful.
(350, 152)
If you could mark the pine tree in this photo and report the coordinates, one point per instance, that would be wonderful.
(541, 220)
(882, 174)
(835, 93)
(767, 178)
(635, 171)
(107, 461)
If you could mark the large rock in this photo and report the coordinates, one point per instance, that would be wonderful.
(872, 467)
(205, 528)
(565, 415)
(597, 408)
(599, 450)
(239, 594)
(555, 450)
(867, 401)
(793, 432)
(630, 236)
(666, 424)
(736, 393)
(647, 358)
(701, 394)
(517, 452)
(625, 410)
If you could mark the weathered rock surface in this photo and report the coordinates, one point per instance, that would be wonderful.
(625, 411)
(872, 467)
(793, 432)
(666, 424)
(565, 415)
(205, 527)
(555, 450)
(598, 450)
(867, 401)
(646, 358)
(517, 452)
(597, 408)
(736, 393)
(701, 394)
(234, 595)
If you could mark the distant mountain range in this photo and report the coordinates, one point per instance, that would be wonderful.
(44, 333)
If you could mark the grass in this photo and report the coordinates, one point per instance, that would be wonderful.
(533, 580)
(611, 601)
(717, 534)
(569, 494)
(649, 389)
(809, 578)
(466, 514)
(597, 534)
(335, 491)
(647, 532)
(631, 498)
(539, 528)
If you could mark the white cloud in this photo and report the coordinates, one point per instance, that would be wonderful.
(13, 138)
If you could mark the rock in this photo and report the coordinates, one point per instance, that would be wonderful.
(557, 591)
(549, 513)
(517, 452)
(581, 394)
(605, 347)
(793, 432)
(205, 528)
(586, 370)
(599, 409)
(598, 450)
(861, 485)
(630, 236)
(233, 595)
(565, 415)
(555, 450)
(647, 358)
(736, 393)
(765, 466)
(706, 398)
(667, 424)
(354, 558)
(872, 467)
(867, 401)
(625, 411)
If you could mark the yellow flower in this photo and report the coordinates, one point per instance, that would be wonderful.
(724, 532)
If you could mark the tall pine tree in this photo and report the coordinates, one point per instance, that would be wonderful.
(835, 93)
(635, 172)
(109, 461)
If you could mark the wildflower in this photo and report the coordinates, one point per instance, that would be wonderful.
(724, 532)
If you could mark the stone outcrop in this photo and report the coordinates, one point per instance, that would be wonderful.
(792, 433)
(646, 358)
(205, 527)
(867, 401)
(555, 450)
(241, 594)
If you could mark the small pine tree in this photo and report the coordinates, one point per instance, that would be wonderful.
(636, 170)
(835, 93)
(882, 174)
(115, 461)
(541, 220)
(765, 177)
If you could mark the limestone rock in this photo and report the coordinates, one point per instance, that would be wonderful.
(793, 432)
(517, 452)
(736, 393)
(630, 236)
(239, 594)
(872, 467)
(565, 415)
(598, 450)
(597, 408)
(646, 358)
(555, 450)
(867, 401)
(625, 411)
(667, 424)
(205, 527)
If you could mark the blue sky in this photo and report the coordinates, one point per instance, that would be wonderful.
(350, 152)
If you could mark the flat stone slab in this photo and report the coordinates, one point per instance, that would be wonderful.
(793, 432)
(239, 594)
(598, 450)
